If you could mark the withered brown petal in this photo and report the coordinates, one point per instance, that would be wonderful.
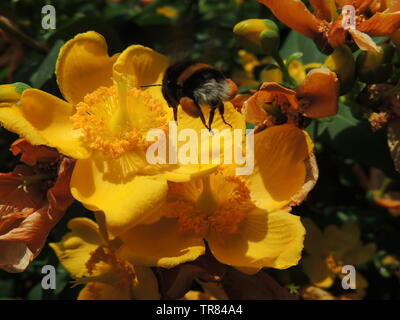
(59, 196)
(27, 216)
(31, 154)
(364, 41)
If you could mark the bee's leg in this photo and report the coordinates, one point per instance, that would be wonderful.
(175, 114)
(192, 109)
(221, 110)
(203, 119)
(211, 117)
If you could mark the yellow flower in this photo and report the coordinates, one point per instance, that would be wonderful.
(331, 250)
(89, 256)
(104, 124)
(245, 221)
(246, 77)
(167, 11)
(198, 295)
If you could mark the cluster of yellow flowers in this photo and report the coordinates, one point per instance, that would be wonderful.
(157, 215)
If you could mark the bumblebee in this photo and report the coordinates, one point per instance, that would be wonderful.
(192, 84)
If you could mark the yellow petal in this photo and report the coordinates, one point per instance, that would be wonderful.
(297, 71)
(75, 248)
(264, 240)
(126, 201)
(145, 289)
(280, 154)
(190, 171)
(160, 244)
(145, 65)
(318, 272)
(12, 118)
(274, 75)
(83, 65)
(12, 92)
(50, 116)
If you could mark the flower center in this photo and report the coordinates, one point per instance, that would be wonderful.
(216, 203)
(103, 266)
(116, 119)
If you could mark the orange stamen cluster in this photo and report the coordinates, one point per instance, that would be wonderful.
(223, 216)
(115, 127)
(124, 273)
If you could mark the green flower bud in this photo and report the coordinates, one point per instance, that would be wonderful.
(12, 92)
(341, 61)
(376, 67)
(258, 36)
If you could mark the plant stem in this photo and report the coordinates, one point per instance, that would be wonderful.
(286, 76)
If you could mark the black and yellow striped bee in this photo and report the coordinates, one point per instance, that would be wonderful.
(192, 84)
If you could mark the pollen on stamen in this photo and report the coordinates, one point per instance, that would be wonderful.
(124, 273)
(225, 219)
(109, 129)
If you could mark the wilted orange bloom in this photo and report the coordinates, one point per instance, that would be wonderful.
(316, 97)
(379, 187)
(324, 25)
(33, 198)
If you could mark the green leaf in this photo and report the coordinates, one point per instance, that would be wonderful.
(355, 139)
(7, 287)
(317, 128)
(47, 67)
(152, 20)
(36, 293)
(296, 42)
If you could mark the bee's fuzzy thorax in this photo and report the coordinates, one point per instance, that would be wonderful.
(212, 90)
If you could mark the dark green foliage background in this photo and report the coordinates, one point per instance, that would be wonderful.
(203, 31)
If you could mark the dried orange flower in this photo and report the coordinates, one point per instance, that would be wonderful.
(33, 198)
